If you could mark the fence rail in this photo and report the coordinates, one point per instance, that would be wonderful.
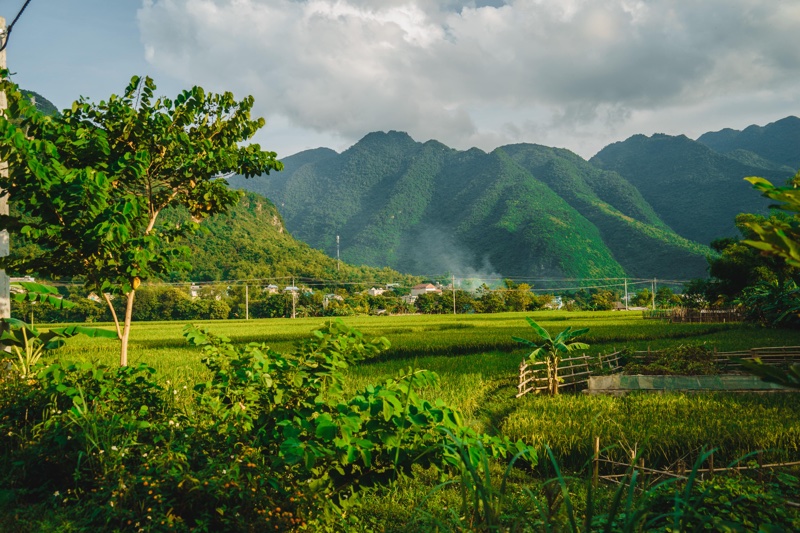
(778, 355)
(680, 314)
(575, 371)
(572, 372)
(679, 469)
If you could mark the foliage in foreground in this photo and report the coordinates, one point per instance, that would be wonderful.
(89, 184)
(269, 441)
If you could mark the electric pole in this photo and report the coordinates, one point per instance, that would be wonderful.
(454, 294)
(247, 302)
(5, 297)
(626, 294)
(654, 294)
(337, 253)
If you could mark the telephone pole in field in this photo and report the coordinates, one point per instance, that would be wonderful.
(5, 297)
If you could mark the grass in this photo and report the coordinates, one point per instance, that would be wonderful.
(477, 363)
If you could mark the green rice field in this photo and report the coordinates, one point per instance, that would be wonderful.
(477, 362)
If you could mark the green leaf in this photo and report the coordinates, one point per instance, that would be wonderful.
(326, 429)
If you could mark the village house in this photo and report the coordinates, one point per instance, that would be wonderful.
(424, 288)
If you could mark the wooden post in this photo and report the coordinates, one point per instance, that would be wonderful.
(5, 295)
(760, 466)
(711, 465)
(596, 462)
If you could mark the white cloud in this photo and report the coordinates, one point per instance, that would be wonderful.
(574, 73)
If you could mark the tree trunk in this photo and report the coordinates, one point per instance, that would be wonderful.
(126, 329)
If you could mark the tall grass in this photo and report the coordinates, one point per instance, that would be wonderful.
(662, 428)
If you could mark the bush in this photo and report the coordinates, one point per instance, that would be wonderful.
(685, 359)
(269, 441)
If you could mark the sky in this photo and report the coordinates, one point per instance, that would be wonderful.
(576, 74)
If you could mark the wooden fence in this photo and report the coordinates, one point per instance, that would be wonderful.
(778, 355)
(679, 469)
(572, 372)
(680, 314)
(575, 371)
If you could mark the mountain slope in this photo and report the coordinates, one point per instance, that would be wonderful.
(778, 141)
(692, 188)
(518, 211)
(251, 242)
(638, 239)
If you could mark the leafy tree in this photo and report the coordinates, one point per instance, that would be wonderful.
(88, 185)
(551, 349)
(490, 301)
(519, 297)
(429, 303)
(665, 298)
(603, 300)
(779, 237)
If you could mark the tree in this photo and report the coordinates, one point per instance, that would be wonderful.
(88, 185)
(550, 349)
(603, 300)
(779, 238)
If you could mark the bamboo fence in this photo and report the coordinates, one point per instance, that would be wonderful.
(571, 372)
(677, 470)
(680, 314)
(576, 371)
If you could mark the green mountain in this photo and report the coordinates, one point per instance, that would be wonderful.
(251, 242)
(638, 239)
(777, 142)
(42, 104)
(695, 190)
(519, 211)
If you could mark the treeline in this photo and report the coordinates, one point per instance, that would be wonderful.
(221, 301)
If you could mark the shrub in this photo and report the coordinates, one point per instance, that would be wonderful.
(269, 441)
(684, 359)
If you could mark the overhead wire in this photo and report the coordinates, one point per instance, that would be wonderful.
(6, 34)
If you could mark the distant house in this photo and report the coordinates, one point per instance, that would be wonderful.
(375, 292)
(328, 298)
(555, 303)
(424, 288)
(94, 297)
(291, 288)
(194, 290)
(271, 289)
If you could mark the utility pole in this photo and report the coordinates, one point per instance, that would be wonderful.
(5, 296)
(654, 294)
(454, 294)
(294, 299)
(337, 253)
(626, 294)
(247, 302)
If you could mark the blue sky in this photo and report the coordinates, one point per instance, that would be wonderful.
(577, 74)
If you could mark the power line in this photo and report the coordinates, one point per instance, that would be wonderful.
(7, 32)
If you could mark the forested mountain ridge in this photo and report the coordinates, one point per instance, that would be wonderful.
(521, 210)
(251, 242)
(694, 189)
(777, 142)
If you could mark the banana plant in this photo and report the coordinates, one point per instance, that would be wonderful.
(551, 349)
(29, 344)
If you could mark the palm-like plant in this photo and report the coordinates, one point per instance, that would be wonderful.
(551, 349)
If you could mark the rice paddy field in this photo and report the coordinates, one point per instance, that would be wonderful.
(477, 362)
